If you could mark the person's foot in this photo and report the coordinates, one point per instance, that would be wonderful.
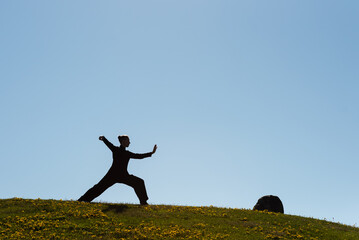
(82, 200)
(144, 203)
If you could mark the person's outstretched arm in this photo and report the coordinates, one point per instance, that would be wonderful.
(143, 155)
(107, 142)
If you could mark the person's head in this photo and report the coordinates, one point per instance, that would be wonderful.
(124, 140)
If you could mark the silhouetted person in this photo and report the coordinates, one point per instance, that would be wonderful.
(118, 171)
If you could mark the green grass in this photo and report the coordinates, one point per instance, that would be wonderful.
(52, 219)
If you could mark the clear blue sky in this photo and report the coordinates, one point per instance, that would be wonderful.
(243, 99)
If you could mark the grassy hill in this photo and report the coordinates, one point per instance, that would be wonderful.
(52, 219)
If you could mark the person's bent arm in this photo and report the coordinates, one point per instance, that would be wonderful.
(108, 143)
(143, 155)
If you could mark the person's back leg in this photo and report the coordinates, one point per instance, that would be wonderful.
(139, 186)
(97, 189)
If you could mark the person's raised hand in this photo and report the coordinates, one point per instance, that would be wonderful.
(101, 138)
(154, 149)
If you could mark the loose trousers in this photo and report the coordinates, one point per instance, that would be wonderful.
(108, 180)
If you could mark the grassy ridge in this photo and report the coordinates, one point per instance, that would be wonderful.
(51, 219)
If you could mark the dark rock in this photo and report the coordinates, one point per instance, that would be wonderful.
(270, 203)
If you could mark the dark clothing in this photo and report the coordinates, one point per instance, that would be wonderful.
(118, 174)
(121, 157)
(108, 180)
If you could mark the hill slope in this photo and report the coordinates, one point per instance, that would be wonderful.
(51, 219)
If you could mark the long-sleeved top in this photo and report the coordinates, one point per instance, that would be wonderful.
(121, 157)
